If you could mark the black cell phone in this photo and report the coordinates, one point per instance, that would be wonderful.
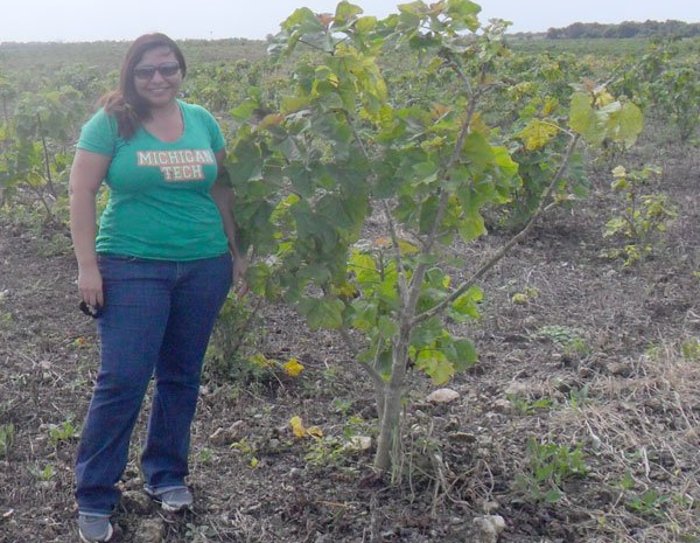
(91, 311)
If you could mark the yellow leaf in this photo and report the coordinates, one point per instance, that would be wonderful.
(345, 291)
(314, 431)
(604, 98)
(520, 298)
(80, 342)
(407, 248)
(333, 80)
(439, 110)
(297, 426)
(273, 119)
(537, 133)
(619, 171)
(293, 367)
(550, 105)
(300, 431)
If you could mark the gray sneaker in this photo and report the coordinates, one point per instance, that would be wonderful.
(172, 499)
(94, 527)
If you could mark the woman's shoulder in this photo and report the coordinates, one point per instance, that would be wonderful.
(99, 132)
(195, 109)
(201, 115)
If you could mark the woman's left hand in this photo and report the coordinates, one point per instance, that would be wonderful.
(240, 266)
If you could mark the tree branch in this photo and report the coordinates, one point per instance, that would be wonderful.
(417, 279)
(488, 265)
(403, 287)
(350, 344)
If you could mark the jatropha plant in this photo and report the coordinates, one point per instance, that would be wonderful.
(351, 141)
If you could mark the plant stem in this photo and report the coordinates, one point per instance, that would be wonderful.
(49, 181)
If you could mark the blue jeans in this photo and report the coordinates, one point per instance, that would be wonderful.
(157, 320)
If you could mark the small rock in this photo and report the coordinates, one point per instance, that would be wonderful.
(151, 530)
(489, 528)
(359, 443)
(443, 395)
(226, 436)
(516, 388)
(530, 321)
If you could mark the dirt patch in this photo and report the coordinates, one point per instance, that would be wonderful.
(580, 422)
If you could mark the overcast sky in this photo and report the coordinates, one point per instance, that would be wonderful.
(89, 20)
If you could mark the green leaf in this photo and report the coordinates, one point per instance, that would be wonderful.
(427, 333)
(257, 277)
(387, 326)
(435, 364)
(582, 117)
(303, 20)
(478, 151)
(630, 123)
(428, 214)
(292, 104)
(464, 13)
(472, 226)
(553, 495)
(322, 313)
(365, 315)
(466, 355)
(345, 11)
(366, 24)
(301, 179)
(383, 363)
(244, 111)
(416, 9)
(425, 172)
(466, 304)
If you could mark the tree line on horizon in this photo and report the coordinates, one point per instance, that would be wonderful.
(625, 29)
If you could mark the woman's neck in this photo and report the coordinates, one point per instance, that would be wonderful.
(164, 112)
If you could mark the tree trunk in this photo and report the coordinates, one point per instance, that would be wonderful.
(388, 441)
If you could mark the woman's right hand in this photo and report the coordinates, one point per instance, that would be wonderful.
(86, 175)
(90, 285)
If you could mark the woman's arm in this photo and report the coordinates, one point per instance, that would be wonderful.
(87, 172)
(223, 197)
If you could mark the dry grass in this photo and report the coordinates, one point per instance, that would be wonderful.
(643, 430)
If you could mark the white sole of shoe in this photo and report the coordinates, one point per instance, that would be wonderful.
(110, 533)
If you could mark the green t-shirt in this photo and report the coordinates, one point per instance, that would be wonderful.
(160, 206)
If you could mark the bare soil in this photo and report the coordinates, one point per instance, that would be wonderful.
(597, 356)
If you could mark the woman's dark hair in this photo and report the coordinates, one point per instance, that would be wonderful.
(124, 103)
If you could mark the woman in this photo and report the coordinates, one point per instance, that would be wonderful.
(156, 273)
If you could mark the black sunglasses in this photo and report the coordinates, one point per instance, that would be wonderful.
(167, 69)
